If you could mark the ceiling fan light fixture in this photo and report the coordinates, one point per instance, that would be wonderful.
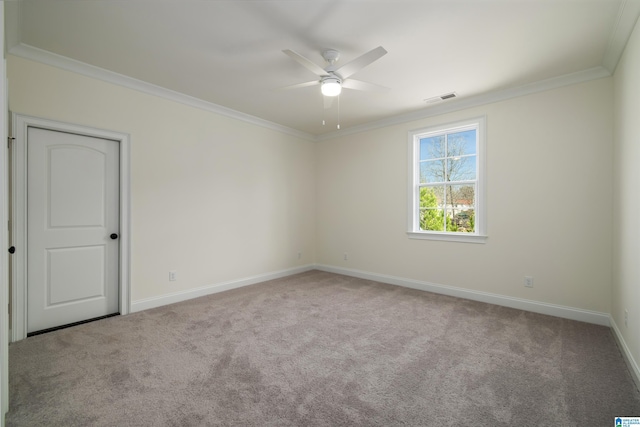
(331, 86)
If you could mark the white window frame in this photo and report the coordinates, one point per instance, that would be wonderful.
(414, 232)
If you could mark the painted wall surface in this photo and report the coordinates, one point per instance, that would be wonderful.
(212, 197)
(217, 199)
(549, 180)
(626, 249)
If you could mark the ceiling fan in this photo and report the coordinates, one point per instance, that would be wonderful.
(333, 78)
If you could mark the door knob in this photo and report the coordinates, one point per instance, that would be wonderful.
(113, 236)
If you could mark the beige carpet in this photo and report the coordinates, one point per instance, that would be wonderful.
(320, 349)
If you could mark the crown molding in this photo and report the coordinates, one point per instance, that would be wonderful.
(475, 101)
(628, 14)
(48, 58)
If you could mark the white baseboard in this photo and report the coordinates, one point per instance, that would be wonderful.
(519, 303)
(626, 353)
(588, 316)
(153, 302)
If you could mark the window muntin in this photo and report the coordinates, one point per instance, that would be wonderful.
(446, 181)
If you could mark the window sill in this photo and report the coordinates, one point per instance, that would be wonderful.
(448, 237)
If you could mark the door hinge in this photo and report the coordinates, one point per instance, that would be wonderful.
(9, 139)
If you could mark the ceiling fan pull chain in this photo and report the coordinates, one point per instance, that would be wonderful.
(338, 126)
(324, 112)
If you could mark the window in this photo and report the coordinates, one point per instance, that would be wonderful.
(446, 191)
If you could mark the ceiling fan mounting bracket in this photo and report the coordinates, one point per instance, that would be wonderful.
(331, 56)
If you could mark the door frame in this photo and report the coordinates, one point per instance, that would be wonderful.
(21, 123)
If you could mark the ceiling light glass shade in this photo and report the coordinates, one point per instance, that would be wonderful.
(331, 86)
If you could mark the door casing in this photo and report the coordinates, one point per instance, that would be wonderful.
(19, 213)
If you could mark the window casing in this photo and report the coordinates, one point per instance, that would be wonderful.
(446, 182)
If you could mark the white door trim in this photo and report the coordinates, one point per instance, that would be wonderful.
(19, 213)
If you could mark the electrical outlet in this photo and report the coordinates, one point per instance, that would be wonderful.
(299, 254)
(346, 257)
(528, 281)
(626, 318)
(173, 275)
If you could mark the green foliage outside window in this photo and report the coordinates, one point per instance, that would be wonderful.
(432, 216)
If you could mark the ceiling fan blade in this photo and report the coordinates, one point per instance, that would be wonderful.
(360, 62)
(309, 65)
(299, 85)
(359, 85)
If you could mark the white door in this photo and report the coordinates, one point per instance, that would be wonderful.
(72, 228)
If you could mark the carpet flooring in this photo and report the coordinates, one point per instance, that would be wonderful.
(321, 349)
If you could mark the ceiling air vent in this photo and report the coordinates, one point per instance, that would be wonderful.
(440, 98)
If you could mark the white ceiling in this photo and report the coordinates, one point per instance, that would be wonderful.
(229, 52)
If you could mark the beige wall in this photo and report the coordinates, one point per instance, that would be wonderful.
(549, 170)
(214, 198)
(626, 249)
(219, 200)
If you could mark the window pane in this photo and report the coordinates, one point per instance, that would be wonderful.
(432, 197)
(461, 208)
(461, 143)
(432, 171)
(431, 219)
(432, 208)
(432, 147)
(461, 168)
